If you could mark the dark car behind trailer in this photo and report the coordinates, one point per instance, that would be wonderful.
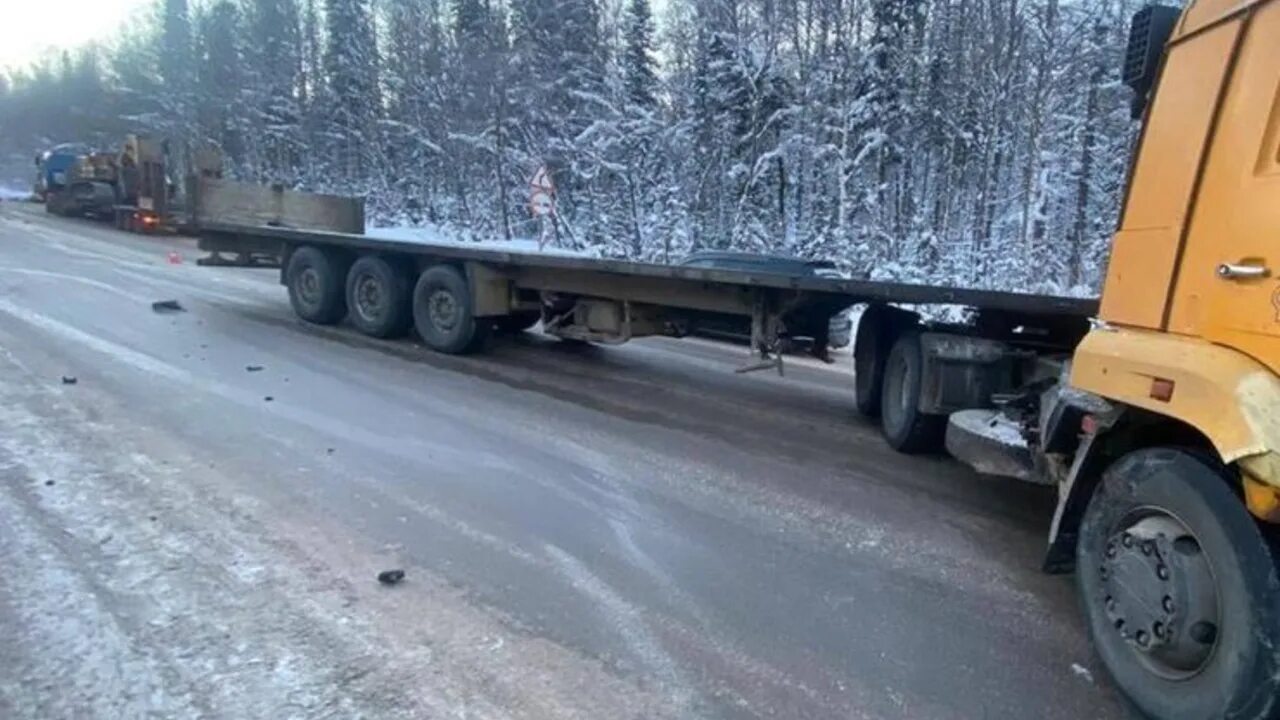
(910, 373)
(817, 337)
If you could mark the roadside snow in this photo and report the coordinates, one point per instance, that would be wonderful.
(440, 236)
(10, 193)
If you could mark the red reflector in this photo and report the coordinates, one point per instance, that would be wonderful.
(1089, 424)
(1162, 390)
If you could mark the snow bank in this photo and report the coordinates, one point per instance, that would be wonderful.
(10, 193)
(440, 236)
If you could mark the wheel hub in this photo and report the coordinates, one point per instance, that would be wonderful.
(443, 309)
(309, 285)
(368, 297)
(1160, 594)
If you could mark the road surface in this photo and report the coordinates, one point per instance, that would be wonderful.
(194, 527)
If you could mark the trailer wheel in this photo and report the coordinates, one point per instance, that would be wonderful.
(517, 322)
(316, 286)
(870, 351)
(378, 298)
(906, 428)
(442, 312)
(1180, 589)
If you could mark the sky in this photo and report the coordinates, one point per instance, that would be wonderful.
(28, 28)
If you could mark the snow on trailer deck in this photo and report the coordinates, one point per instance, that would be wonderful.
(235, 238)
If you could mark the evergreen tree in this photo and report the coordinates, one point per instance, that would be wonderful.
(640, 68)
(353, 97)
(934, 140)
(219, 110)
(275, 62)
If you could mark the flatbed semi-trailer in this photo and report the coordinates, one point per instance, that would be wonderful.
(456, 294)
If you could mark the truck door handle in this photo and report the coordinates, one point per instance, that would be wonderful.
(1227, 271)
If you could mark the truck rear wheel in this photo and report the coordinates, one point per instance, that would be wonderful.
(378, 298)
(442, 312)
(906, 429)
(316, 282)
(869, 356)
(1180, 589)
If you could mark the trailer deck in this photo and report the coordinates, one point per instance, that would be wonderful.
(266, 240)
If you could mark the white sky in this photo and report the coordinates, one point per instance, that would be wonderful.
(30, 27)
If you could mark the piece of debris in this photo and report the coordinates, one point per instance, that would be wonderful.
(69, 380)
(48, 483)
(167, 306)
(268, 399)
(253, 368)
(174, 258)
(328, 451)
(1082, 672)
(152, 518)
(390, 577)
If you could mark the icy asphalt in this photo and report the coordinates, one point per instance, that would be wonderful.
(598, 533)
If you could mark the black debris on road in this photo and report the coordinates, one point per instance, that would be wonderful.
(391, 577)
(167, 306)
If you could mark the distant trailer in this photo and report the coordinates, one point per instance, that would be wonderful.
(911, 373)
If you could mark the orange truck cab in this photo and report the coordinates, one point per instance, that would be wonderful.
(1164, 440)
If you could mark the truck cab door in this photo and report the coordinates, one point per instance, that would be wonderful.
(1228, 287)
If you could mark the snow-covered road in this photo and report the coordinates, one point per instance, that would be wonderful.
(590, 533)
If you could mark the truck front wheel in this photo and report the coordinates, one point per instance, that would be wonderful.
(442, 312)
(1180, 590)
(316, 282)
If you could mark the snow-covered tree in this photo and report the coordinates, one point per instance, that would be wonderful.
(977, 143)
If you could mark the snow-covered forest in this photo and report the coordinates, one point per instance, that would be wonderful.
(982, 142)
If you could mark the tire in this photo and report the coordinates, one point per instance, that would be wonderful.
(517, 322)
(870, 351)
(906, 429)
(1219, 654)
(442, 312)
(317, 287)
(378, 297)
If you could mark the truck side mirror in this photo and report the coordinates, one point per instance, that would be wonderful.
(1151, 29)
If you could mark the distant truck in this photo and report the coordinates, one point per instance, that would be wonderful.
(53, 167)
(77, 181)
(144, 190)
(149, 200)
